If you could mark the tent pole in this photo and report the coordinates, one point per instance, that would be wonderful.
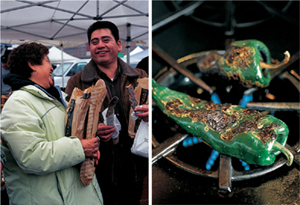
(62, 63)
(128, 42)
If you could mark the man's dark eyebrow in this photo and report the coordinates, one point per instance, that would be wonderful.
(96, 38)
(106, 37)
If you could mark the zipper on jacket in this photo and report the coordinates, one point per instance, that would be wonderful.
(58, 189)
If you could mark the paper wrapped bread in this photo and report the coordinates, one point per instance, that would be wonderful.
(82, 120)
(141, 97)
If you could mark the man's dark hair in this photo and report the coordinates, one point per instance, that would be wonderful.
(103, 24)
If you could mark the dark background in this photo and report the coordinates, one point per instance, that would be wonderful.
(187, 35)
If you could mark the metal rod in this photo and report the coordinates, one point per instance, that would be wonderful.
(230, 18)
(176, 15)
(144, 14)
(292, 79)
(55, 8)
(30, 33)
(282, 68)
(62, 65)
(236, 175)
(25, 24)
(128, 39)
(180, 68)
(32, 4)
(277, 12)
(58, 21)
(141, 26)
(66, 36)
(245, 175)
(274, 106)
(295, 153)
(119, 3)
(121, 16)
(69, 20)
(225, 174)
(139, 35)
(97, 8)
(167, 147)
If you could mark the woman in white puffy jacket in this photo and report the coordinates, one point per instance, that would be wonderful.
(39, 162)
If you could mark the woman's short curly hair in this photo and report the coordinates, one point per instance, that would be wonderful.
(20, 57)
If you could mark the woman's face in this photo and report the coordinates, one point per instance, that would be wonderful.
(42, 74)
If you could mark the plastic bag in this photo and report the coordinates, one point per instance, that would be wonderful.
(140, 145)
(112, 120)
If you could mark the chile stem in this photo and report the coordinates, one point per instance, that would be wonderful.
(274, 66)
(285, 151)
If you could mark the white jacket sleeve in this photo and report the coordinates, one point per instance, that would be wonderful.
(27, 136)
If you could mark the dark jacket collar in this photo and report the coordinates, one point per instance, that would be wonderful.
(16, 81)
(89, 73)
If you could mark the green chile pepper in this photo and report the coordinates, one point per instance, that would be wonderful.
(249, 135)
(243, 61)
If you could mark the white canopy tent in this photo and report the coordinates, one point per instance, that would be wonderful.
(140, 55)
(48, 43)
(136, 50)
(64, 22)
(55, 56)
(136, 57)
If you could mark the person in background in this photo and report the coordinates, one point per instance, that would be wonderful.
(5, 89)
(120, 171)
(144, 64)
(39, 162)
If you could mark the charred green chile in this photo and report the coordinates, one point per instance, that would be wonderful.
(249, 135)
(248, 61)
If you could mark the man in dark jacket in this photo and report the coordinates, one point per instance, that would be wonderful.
(119, 173)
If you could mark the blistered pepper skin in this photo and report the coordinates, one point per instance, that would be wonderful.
(229, 129)
(243, 61)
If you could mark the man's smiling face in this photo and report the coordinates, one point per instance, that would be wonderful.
(104, 48)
